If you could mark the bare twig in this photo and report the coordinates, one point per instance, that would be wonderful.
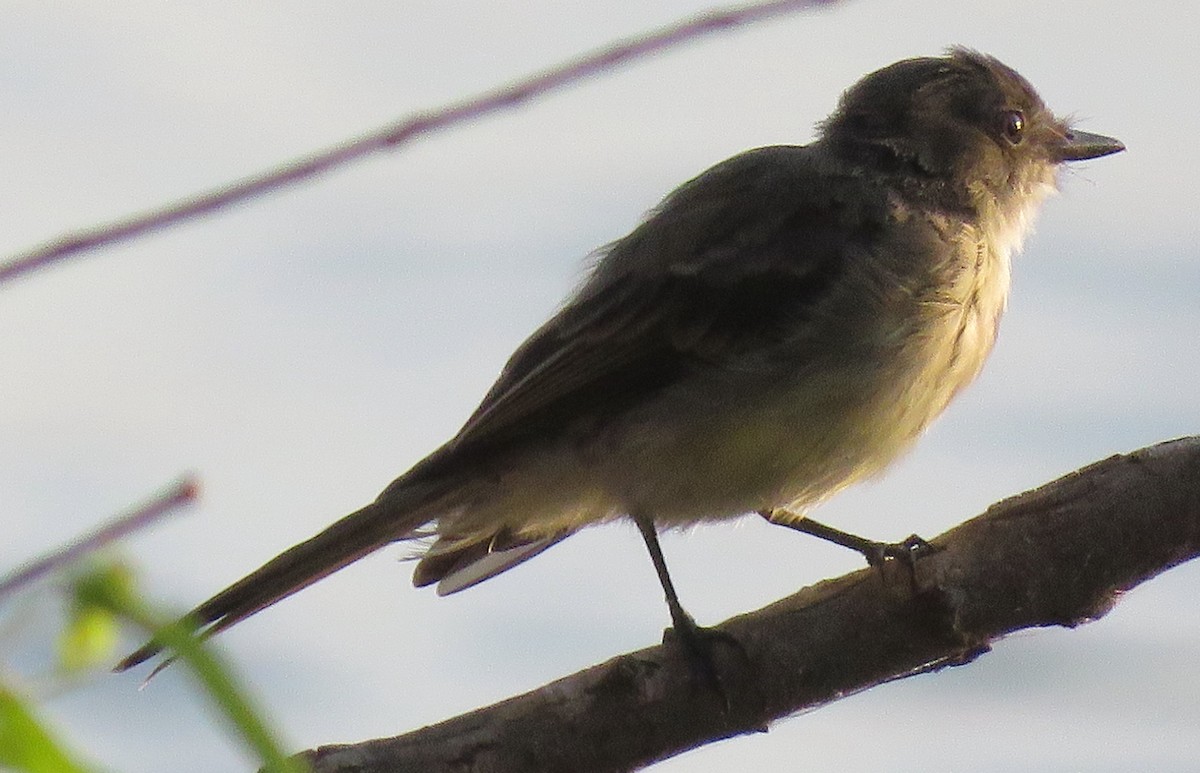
(397, 134)
(1059, 555)
(179, 494)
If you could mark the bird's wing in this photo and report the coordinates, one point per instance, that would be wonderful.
(722, 268)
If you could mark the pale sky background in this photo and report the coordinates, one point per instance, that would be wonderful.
(301, 351)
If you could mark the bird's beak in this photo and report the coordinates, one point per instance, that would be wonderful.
(1078, 146)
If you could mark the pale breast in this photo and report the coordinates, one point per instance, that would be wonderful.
(942, 355)
(981, 295)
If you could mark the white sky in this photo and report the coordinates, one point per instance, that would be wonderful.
(300, 352)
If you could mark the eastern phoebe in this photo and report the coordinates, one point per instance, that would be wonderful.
(783, 325)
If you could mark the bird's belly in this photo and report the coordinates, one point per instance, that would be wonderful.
(790, 446)
(793, 440)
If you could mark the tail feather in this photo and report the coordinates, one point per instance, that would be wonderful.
(458, 567)
(349, 539)
(493, 563)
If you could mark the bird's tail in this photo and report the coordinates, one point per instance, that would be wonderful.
(349, 539)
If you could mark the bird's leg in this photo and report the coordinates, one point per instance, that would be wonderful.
(696, 641)
(680, 619)
(906, 551)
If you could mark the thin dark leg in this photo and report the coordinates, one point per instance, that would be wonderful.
(680, 619)
(696, 641)
(875, 552)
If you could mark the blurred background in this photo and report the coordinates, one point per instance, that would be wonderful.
(299, 352)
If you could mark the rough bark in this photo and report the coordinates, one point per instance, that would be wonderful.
(1058, 555)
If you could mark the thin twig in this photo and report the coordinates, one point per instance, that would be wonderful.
(395, 134)
(179, 494)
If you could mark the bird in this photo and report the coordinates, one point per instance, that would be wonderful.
(782, 326)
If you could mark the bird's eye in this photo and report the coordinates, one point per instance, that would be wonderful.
(1012, 125)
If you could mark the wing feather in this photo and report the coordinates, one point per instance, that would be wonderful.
(721, 269)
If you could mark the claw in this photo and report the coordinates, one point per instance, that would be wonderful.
(698, 644)
(908, 551)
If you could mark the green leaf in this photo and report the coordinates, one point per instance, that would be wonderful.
(91, 632)
(89, 638)
(25, 745)
(111, 590)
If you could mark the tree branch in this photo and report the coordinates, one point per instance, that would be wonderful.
(180, 493)
(1059, 555)
(398, 133)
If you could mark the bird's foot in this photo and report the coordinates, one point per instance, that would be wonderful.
(908, 551)
(699, 646)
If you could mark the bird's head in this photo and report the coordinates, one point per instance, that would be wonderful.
(964, 127)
